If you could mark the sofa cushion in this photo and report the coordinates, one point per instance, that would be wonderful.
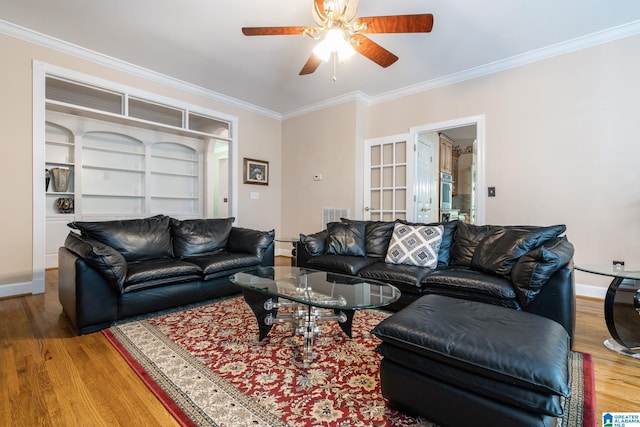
(157, 272)
(248, 241)
(444, 253)
(109, 262)
(340, 263)
(135, 239)
(345, 239)
(473, 285)
(200, 236)
(223, 262)
(501, 247)
(534, 268)
(509, 346)
(415, 245)
(406, 274)
(465, 240)
(377, 235)
(314, 243)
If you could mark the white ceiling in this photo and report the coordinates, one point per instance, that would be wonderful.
(200, 42)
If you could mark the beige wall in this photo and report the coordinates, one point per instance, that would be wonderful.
(561, 147)
(259, 137)
(318, 143)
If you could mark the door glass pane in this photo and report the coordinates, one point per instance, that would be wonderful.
(387, 200)
(375, 178)
(375, 156)
(387, 154)
(401, 200)
(388, 216)
(375, 200)
(401, 176)
(388, 177)
(401, 152)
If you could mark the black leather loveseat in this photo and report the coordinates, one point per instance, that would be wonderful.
(110, 270)
(526, 268)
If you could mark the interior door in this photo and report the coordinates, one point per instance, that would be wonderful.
(386, 167)
(425, 194)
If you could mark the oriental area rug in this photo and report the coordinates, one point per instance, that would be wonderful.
(205, 364)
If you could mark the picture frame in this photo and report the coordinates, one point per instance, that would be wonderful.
(255, 172)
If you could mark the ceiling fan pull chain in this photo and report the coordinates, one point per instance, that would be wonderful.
(335, 65)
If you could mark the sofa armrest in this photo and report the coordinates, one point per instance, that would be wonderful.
(248, 241)
(89, 301)
(557, 299)
(105, 259)
(302, 255)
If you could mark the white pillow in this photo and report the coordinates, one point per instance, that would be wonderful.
(415, 245)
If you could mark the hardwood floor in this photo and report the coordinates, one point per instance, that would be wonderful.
(51, 377)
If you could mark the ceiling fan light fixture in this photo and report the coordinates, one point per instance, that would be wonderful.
(334, 42)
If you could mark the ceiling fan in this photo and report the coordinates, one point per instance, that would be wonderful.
(344, 33)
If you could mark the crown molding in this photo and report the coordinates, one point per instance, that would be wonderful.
(579, 43)
(44, 40)
(357, 96)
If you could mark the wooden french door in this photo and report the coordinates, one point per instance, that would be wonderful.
(387, 166)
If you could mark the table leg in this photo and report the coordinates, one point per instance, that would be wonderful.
(345, 320)
(256, 301)
(620, 308)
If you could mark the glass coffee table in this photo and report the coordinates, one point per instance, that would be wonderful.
(621, 307)
(312, 295)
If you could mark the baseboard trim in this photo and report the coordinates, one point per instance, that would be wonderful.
(591, 291)
(15, 289)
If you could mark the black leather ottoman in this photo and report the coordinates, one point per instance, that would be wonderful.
(465, 363)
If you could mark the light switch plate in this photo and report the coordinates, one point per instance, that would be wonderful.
(492, 192)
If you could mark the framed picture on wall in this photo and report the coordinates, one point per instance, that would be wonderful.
(256, 172)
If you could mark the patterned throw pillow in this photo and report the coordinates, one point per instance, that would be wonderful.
(415, 245)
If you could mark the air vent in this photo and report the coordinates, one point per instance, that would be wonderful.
(333, 215)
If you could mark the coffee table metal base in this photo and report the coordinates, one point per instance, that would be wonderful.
(611, 344)
(304, 319)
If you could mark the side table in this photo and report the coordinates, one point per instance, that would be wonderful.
(621, 307)
(292, 240)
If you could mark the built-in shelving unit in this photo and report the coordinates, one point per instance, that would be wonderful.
(128, 157)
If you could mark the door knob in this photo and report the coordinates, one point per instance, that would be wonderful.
(366, 209)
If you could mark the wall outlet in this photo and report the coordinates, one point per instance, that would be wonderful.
(317, 177)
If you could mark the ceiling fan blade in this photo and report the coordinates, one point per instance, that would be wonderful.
(373, 51)
(311, 65)
(422, 23)
(272, 31)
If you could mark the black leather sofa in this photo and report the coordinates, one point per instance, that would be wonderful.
(486, 319)
(110, 270)
(526, 268)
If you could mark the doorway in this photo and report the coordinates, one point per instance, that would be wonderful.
(466, 170)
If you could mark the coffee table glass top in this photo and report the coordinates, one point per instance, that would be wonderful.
(624, 272)
(317, 288)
